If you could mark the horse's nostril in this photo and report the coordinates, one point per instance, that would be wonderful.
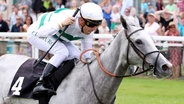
(151, 66)
(165, 67)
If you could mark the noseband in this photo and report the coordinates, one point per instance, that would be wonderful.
(140, 54)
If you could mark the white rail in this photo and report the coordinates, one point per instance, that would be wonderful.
(18, 37)
(12, 34)
(21, 37)
(168, 38)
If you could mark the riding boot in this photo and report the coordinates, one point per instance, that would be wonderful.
(40, 87)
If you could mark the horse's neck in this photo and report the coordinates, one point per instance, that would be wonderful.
(105, 85)
(113, 59)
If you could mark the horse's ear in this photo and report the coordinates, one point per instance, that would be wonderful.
(123, 22)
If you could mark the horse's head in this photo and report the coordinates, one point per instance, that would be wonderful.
(142, 50)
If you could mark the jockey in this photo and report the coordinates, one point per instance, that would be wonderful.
(43, 33)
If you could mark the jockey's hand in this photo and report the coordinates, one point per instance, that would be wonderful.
(68, 21)
(88, 60)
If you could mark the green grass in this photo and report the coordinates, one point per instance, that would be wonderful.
(150, 91)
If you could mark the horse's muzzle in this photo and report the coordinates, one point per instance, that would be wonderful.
(165, 71)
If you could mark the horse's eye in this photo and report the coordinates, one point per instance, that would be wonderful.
(138, 41)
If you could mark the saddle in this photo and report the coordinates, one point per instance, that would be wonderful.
(26, 77)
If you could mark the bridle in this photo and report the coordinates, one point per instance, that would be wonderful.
(139, 53)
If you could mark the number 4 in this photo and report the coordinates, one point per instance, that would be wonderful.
(17, 86)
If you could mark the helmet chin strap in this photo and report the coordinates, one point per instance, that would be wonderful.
(82, 29)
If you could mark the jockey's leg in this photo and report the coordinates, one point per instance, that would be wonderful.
(40, 87)
(58, 76)
(74, 52)
(54, 62)
(60, 53)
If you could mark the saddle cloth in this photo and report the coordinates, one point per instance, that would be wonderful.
(26, 77)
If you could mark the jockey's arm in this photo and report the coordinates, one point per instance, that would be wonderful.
(52, 27)
(47, 30)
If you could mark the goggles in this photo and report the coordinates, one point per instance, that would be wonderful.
(91, 23)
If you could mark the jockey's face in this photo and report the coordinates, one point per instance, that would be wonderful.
(87, 28)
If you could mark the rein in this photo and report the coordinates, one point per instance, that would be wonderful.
(140, 54)
(91, 77)
(98, 60)
(105, 70)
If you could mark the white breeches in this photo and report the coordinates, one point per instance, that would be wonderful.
(61, 50)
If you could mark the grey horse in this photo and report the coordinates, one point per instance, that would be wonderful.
(131, 46)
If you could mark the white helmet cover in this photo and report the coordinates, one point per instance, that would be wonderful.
(91, 11)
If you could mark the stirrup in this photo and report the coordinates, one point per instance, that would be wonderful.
(40, 90)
